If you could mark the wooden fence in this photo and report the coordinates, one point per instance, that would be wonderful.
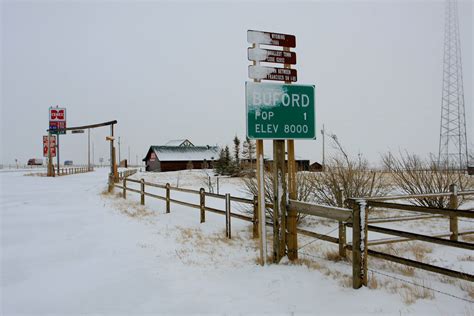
(360, 210)
(356, 218)
(73, 170)
(127, 173)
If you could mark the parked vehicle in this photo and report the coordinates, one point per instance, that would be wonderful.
(35, 162)
(68, 163)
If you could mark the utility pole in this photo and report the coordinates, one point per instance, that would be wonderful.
(88, 149)
(323, 132)
(119, 151)
(93, 159)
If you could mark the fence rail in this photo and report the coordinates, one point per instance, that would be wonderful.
(74, 170)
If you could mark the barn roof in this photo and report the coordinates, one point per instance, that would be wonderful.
(179, 142)
(196, 153)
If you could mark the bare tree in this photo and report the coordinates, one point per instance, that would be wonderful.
(346, 177)
(304, 189)
(413, 175)
(248, 151)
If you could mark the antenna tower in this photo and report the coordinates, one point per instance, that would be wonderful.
(452, 139)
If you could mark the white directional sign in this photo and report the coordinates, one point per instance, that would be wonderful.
(273, 73)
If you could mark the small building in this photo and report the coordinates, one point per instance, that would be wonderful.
(316, 167)
(180, 155)
(301, 164)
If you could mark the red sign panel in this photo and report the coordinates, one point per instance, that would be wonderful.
(57, 114)
(271, 56)
(274, 39)
(53, 146)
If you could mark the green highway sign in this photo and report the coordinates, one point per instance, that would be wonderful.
(280, 111)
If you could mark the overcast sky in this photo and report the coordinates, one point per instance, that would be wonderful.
(177, 70)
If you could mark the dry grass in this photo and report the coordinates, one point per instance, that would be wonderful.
(35, 174)
(106, 192)
(468, 288)
(410, 294)
(343, 279)
(310, 264)
(211, 245)
(468, 238)
(333, 255)
(372, 282)
(415, 249)
(419, 251)
(466, 258)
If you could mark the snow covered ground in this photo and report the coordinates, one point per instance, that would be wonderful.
(69, 248)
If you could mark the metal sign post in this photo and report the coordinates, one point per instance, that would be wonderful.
(57, 152)
(261, 213)
(292, 238)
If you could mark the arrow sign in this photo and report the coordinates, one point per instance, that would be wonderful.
(271, 56)
(272, 73)
(274, 39)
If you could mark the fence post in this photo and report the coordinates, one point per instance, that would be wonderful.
(453, 204)
(255, 217)
(168, 198)
(124, 188)
(359, 244)
(342, 226)
(142, 191)
(342, 239)
(111, 183)
(227, 216)
(202, 204)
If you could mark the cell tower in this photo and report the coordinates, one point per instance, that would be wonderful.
(452, 138)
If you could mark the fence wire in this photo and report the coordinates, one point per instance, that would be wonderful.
(398, 279)
(319, 238)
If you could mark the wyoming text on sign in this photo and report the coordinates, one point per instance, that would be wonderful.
(273, 39)
(280, 111)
